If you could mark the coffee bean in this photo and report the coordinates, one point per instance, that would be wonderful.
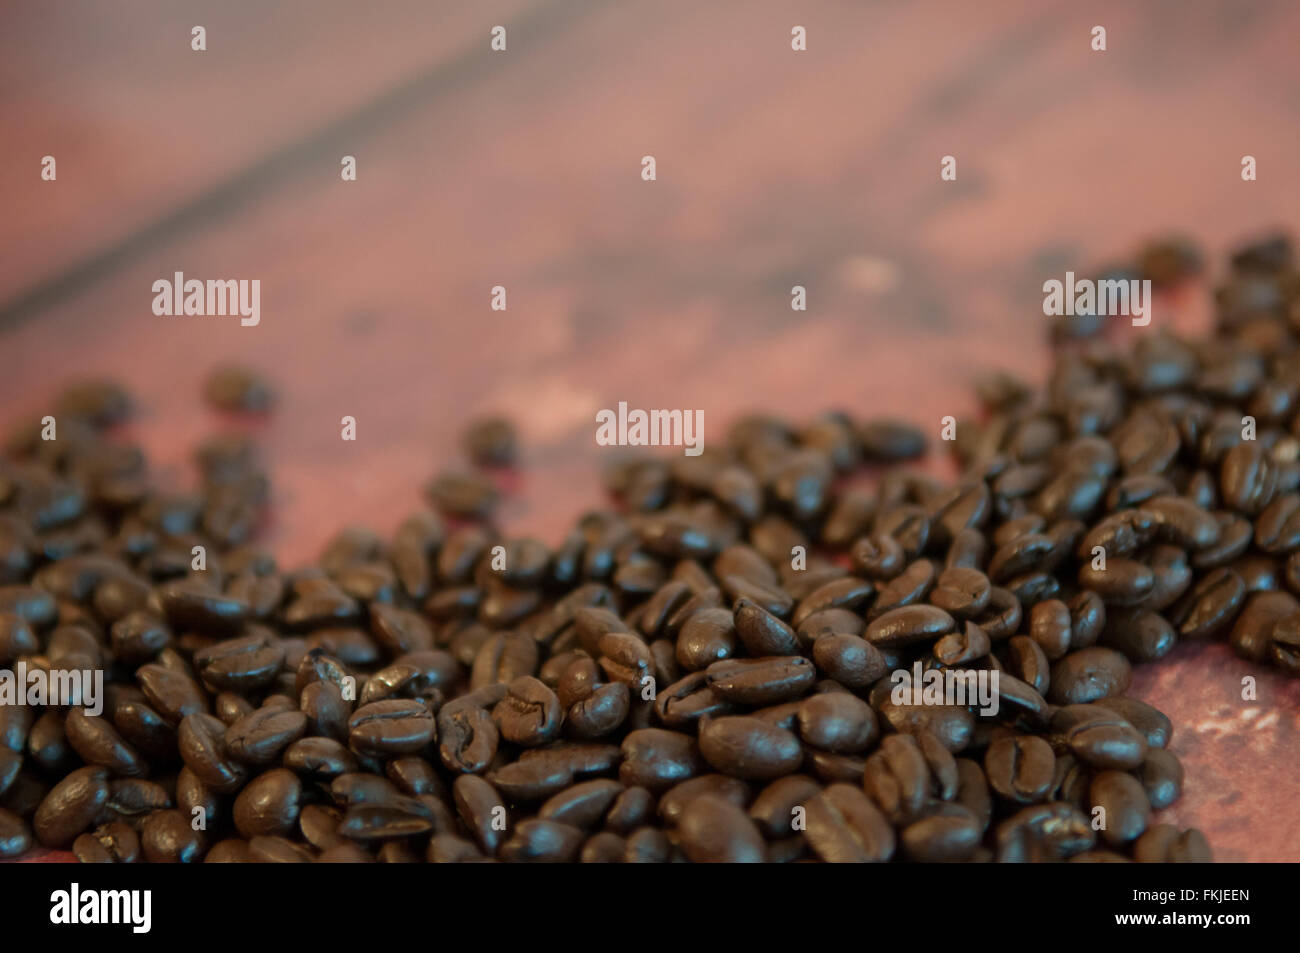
(269, 804)
(850, 660)
(707, 637)
(1099, 736)
(1161, 775)
(173, 694)
(395, 726)
(962, 593)
(878, 556)
(1165, 844)
(960, 648)
(762, 681)
(260, 736)
(1212, 604)
(1127, 810)
(529, 714)
(1043, 832)
(950, 833)
(481, 811)
(843, 826)
(201, 738)
(1252, 633)
(491, 441)
(749, 748)
(71, 806)
(1087, 675)
(657, 759)
(1153, 725)
(168, 838)
(111, 843)
(715, 830)
(1020, 767)
(15, 838)
(238, 390)
(837, 722)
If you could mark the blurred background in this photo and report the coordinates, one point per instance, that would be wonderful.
(523, 169)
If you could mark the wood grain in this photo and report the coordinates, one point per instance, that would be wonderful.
(522, 169)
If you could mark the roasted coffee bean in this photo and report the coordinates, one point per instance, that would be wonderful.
(1049, 627)
(1087, 675)
(674, 801)
(1043, 832)
(962, 593)
(269, 804)
(202, 743)
(950, 833)
(1087, 619)
(959, 648)
(1140, 634)
(463, 494)
(542, 841)
(392, 727)
(715, 830)
(71, 807)
(761, 632)
(260, 736)
(1252, 633)
(491, 441)
(656, 759)
(238, 390)
(749, 748)
(1165, 844)
(762, 681)
(172, 694)
(907, 588)
(837, 722)
(15, 838)
(953, 725)
(582, 805)
(908, 625)
(481, 811)
(828, 622)
(135, 796)
(167, 837)
(1127, 810)
(1212, 604)
(1020, 767)
(1027, 661)
(530, 714)
(1161, 775)
(706, 637)
(98, 743)
(852, 661)
(878, 556)
(1153, 725)
(843, 826)
(187, 604)
(777, 809)
(111, 843)
(686, 701)
(1099, 736)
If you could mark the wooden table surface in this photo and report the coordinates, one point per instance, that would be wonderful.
(522, 169)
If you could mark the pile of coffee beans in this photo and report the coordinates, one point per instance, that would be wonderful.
(702, 672)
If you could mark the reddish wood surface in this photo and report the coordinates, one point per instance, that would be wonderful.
(522, 169)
